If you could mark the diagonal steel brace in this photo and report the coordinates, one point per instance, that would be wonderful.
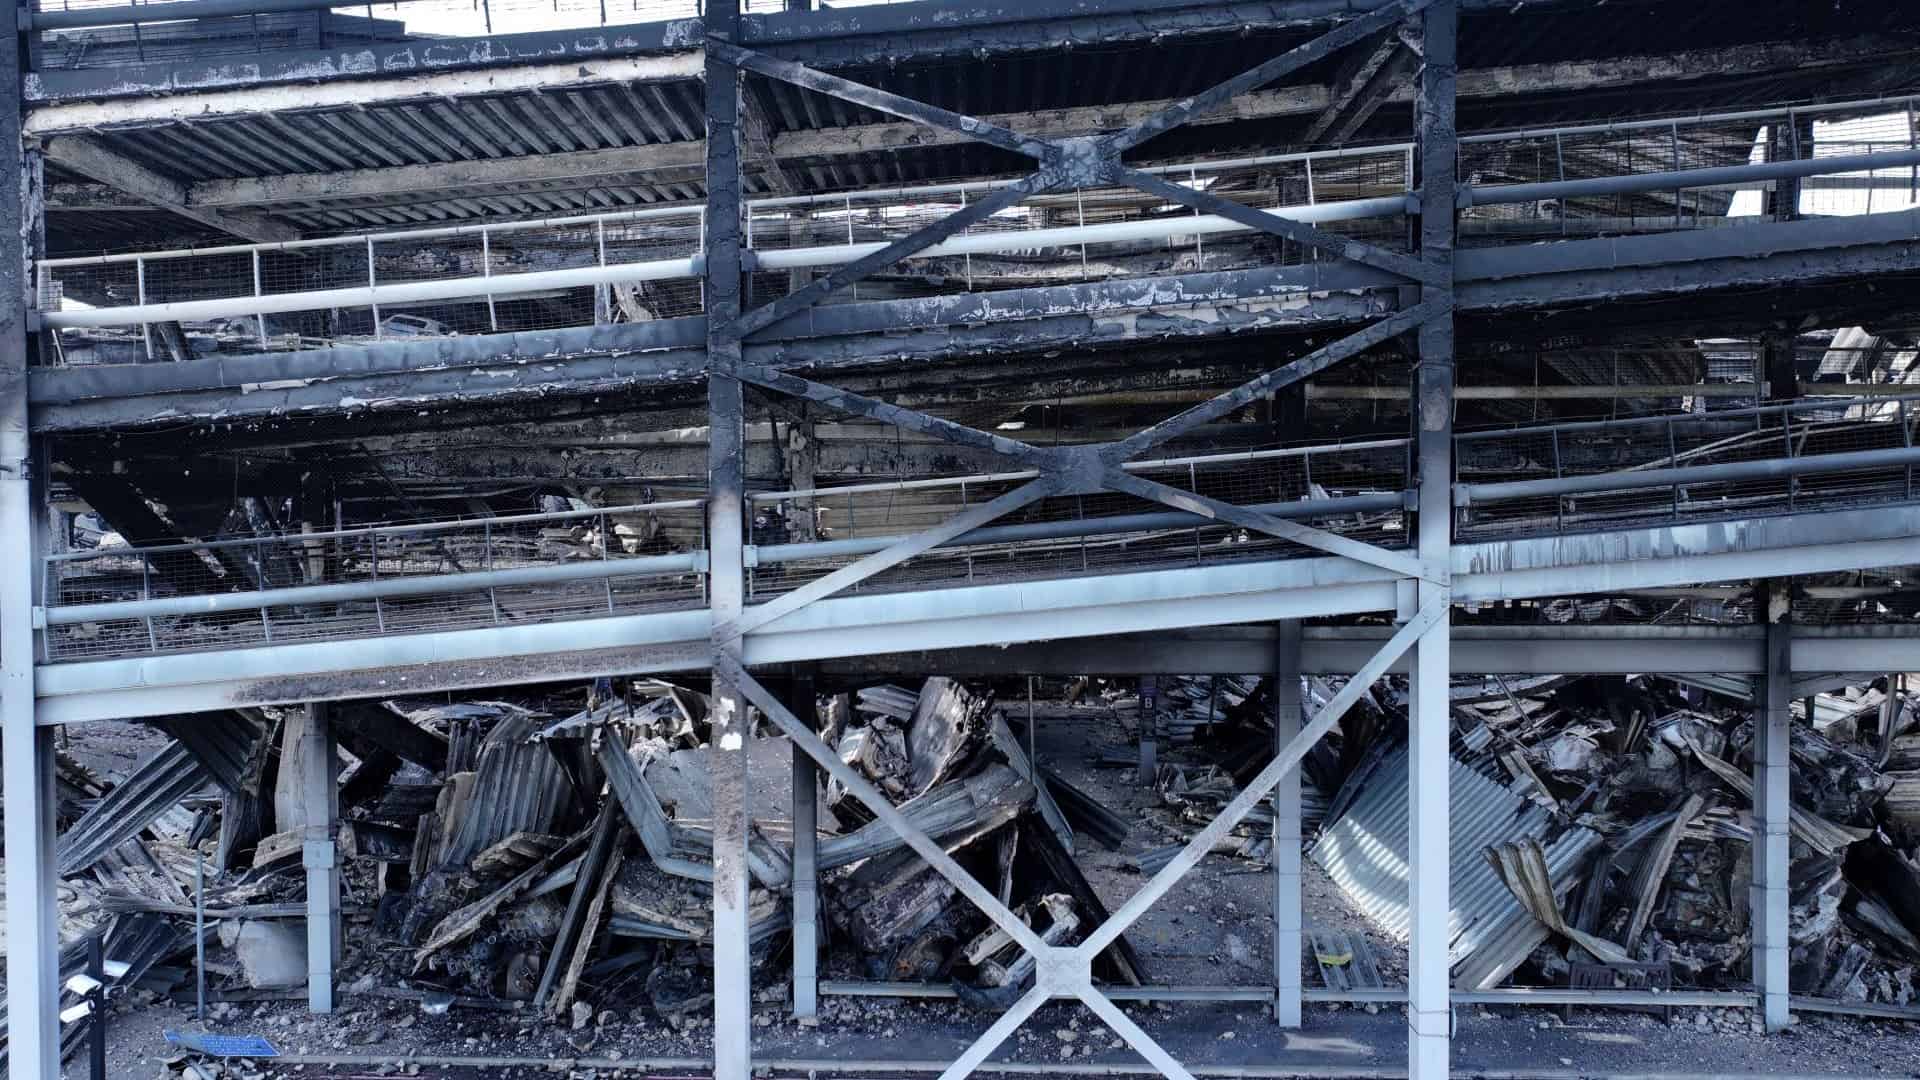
(1298, 231)
(730, 670)
(879, 100)
(1245, 394)
(847, 401)
(1292, 60)
(919, 543)
(1306, 535)
(920, 239)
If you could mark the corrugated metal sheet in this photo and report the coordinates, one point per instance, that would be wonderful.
(1365, 852)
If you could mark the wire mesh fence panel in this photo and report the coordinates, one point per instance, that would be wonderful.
(399, 579)
(1693, 467)
(1102, 532)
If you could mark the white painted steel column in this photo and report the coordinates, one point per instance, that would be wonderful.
(806, 859)
(1772, 792)
(1286, 831)
(1429, 1013)
(726, 585)
(33, 921)
(320, 797)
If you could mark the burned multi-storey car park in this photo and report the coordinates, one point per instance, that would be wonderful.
(1094, 536)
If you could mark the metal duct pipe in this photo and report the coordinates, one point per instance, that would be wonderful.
(1684, 178)
(1069, 235)
(384, 589)
(406, 292)
(170, 12)
(1773, 468)
(1076, 528)
(662, 269)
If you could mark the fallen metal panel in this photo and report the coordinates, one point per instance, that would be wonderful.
(1365, 851)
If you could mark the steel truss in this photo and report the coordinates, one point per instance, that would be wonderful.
(1066, 972)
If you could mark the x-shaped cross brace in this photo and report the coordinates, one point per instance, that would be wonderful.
(1067, 971)
(1081, 161)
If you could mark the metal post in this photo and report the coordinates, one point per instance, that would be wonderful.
(33, 963)
(1771, 787)
(1286, 831)
(319, 795)
(199, 934)
(371, 284)
(97, 1000)
(1429, 1014)
(1149, 713)
(732, 977)
(806, 859)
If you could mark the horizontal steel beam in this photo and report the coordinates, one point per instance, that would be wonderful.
(1524, 649)
(1093, 606)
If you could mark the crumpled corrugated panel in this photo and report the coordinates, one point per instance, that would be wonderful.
(1366, 851)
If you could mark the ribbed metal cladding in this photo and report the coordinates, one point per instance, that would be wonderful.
(1366, 851)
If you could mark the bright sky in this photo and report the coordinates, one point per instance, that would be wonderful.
(1895, 189)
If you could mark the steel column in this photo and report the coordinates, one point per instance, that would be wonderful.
(1287, 982)
(1149, 719)
(1429, 1015)
(727, 756)
(806, 858)
(1772, 785)
(320, 797)
(33, 963)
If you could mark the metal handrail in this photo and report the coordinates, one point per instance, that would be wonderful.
(374, 531)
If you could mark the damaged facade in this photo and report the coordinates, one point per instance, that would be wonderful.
(769, 504)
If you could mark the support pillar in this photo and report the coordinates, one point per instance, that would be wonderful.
(1771, 793)
(1286, 831)
(1429, 1012)
(33, 921)
(726, 583)
(1149, 721)
(806, 859)
(320, 799)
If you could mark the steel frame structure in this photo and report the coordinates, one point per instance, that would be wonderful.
(737, 345)
(1424, 603)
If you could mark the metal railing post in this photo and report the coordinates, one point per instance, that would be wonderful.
(259, 320)
(146, 593)
(1906, 440)
(260, 568)
(606, 545)
(486, 271)
(1673, 460)
(493, 593)
(379, 612)
(373, 301)
(140, 291)
(1559, 501)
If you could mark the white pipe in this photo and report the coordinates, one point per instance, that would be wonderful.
(408, 292)
(1069, 235)
(678, 210)
(663, 269)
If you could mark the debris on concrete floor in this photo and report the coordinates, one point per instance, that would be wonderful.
(551, 860)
